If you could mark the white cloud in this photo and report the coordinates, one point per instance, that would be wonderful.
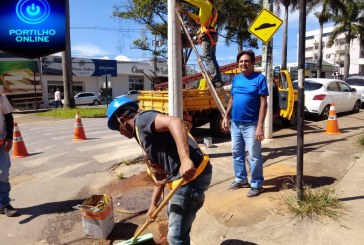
(122, 58)
(87, 50)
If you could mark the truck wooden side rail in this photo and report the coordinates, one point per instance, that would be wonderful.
(199, 107)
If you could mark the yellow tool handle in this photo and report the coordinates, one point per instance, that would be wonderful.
(155, 213)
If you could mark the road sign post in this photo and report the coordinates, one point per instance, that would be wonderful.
(264, 27)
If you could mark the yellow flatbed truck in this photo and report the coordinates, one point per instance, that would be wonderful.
(199, 107)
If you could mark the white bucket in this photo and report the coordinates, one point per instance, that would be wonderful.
(207, 142)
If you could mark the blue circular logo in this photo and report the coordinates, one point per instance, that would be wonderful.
(33, 11)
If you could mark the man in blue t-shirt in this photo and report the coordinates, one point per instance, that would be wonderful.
(247, 109)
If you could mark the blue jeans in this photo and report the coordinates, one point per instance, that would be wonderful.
(183, 206)
(209, 53)
(243, 135)
(4, 178)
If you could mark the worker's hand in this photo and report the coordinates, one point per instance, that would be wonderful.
(150, 212)
(225, 123)
(179, 9)
(187, 169)
(8, 144)
(259, 134)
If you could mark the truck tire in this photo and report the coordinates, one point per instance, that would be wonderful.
(216, 125)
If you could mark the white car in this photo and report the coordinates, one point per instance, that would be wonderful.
(131, 94)
(357, 82)
(321, 92)
(86, 98)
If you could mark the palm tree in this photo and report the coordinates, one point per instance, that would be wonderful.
(350, 23)
(288, 4)
(329, 9)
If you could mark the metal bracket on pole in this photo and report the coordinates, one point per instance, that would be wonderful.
(203, 69)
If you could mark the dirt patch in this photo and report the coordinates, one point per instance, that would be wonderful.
(221, 202)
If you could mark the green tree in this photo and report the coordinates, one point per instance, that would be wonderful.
(288, 5)
(328, 9)
(152, 14)
(350, 23)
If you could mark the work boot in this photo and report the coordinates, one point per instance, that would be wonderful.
(235, 185)
(9, 211)
(253, 192)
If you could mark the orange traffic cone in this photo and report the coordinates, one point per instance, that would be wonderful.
(79, 133)
(332, 126)
(19, 149)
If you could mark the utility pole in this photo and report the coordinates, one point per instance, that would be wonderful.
(67, 64)
(174, 62)
(267, 57)
(300, 108)
(155, 60)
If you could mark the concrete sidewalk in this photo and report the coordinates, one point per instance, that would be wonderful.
(229, 217)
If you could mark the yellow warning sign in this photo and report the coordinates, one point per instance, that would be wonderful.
(265, 25)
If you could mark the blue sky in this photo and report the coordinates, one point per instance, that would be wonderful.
(96, 34)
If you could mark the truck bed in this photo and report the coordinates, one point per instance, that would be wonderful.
(193, 99)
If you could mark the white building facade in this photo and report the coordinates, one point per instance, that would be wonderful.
(334, 54)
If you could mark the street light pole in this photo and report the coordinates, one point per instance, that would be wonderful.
(174, 62)
(67, 64)
(267, 57)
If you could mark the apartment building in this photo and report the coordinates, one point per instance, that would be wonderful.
(333, 55)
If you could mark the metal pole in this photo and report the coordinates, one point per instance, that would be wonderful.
(107, 91)
(35, 89)
(155, 61)
(174, 62)
(267, 57)
(300, 108)
(67, 64)
(40, 71)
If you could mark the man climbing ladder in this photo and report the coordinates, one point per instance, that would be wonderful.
(207, 35)
(204, 71)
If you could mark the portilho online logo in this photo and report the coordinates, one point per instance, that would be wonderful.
(33, 11)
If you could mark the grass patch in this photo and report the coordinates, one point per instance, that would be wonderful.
(361, 139)
(136, 160)
(315, 203)
(68, 113)
(120, 175)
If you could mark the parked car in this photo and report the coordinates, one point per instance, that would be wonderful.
(321, 92)
(131, 94)
(86, 98)
(357, 82)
